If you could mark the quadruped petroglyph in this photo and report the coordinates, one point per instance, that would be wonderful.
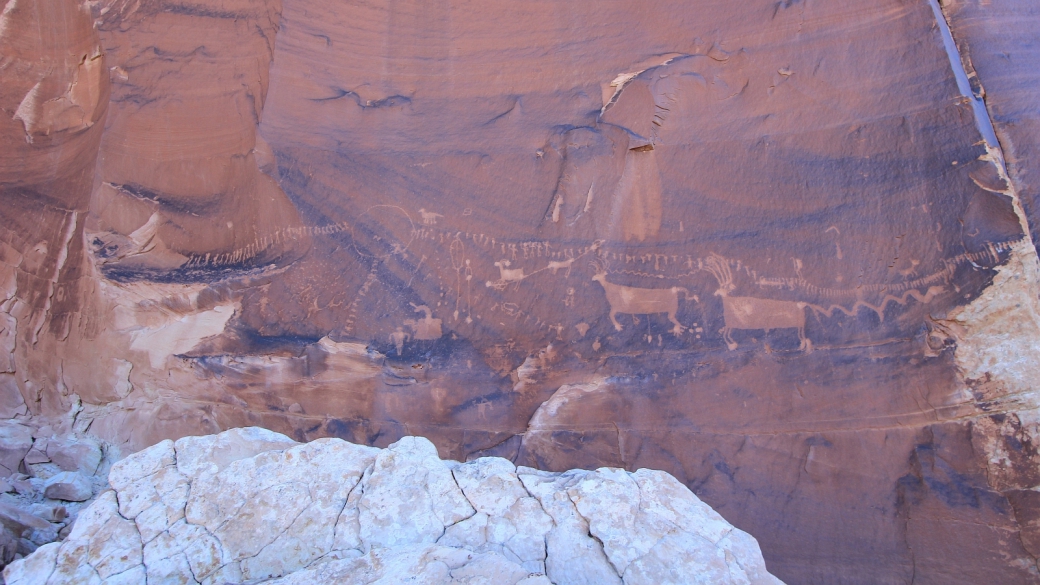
(751, 312)
(643, 301)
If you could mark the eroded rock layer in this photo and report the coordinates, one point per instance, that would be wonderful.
(249, 505)
(781, 250)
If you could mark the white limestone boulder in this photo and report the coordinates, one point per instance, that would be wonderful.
(249, 505)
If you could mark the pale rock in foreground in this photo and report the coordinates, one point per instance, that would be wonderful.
(250, 505)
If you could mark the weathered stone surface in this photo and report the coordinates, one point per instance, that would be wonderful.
(74, 454)
(333, 512)
(11, 402)
(15, 442)
(769, 248)
(410, 496)
(198, 455)
(69, 486)
(996, 42)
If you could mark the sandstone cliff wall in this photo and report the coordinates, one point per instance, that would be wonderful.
(782, 251)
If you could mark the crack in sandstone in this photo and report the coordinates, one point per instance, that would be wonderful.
(602, 547)
(346, 501)
(288, 526)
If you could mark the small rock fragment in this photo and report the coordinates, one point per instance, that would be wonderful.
(38, 453)
(51, 511)
(20, 483)
(69, 486)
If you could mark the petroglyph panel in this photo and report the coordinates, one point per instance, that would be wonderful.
(740, 232)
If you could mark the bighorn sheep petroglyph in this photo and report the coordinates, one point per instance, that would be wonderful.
(752, 312)
(642, 301)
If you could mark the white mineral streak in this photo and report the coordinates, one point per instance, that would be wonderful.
(252, 506)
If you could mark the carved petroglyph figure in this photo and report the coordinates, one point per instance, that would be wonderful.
(754, 313)
(429, 217)
(457, 250)
(399, 337)
(426, 328)
(555, 265)
(582, 328)
(506, 275)
(467, 271)
(558, 328)
(509, 274)
(642, 301)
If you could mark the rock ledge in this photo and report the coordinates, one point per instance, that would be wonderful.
(253, 506)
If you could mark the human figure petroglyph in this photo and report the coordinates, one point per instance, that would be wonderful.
(752, 313)
(399, 338)
(558, 328)
(642, 301)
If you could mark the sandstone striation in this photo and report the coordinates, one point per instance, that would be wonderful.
(270, 510)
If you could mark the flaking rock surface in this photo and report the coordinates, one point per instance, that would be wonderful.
(782, 250)
(250, 505)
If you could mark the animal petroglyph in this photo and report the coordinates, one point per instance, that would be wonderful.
(764, 314)
(555, 265)
(643, 301)
(429, 217)
(752, 312)
(506, 275)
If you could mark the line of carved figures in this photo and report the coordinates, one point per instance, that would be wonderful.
(739, 312)
(747, 312)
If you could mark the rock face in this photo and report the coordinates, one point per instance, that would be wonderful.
(782, 250)
(274, 511)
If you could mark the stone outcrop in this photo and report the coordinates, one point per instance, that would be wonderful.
(250, 505)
